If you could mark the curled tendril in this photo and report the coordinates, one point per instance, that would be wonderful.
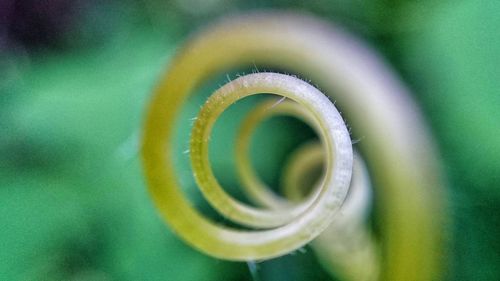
(396, 148)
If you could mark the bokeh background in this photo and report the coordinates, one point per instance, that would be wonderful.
(75, 78)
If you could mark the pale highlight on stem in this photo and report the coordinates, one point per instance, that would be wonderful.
(396, 145)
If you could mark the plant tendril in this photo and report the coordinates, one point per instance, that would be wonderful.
(396, 147)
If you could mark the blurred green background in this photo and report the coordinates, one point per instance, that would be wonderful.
(75, 78)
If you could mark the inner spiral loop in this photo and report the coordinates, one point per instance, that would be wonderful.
(257, 190)
(313, 106)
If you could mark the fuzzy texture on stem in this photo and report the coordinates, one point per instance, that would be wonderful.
(333, 133)
(396, 145)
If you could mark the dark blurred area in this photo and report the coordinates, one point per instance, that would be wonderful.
(75, 78)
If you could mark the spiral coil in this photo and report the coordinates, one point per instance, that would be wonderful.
(396, 146)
